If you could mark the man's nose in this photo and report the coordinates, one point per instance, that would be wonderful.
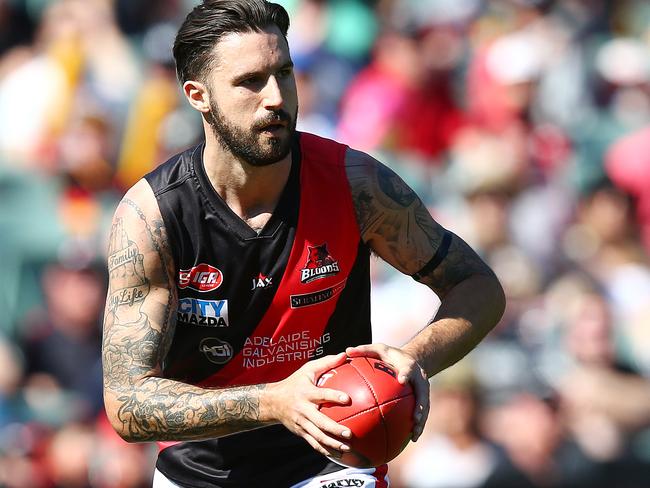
(272, 95)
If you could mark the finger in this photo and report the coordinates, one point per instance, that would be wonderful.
(420, 415)
(314, 443)
(425, 416)
(327, 432)
(410, 370)
(319, 366)
(325, 452)
(390, 355)
(325, 424)
(329, 395)
(377, 351)
(421, 390)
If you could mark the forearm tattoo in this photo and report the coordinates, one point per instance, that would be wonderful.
(138, 329)
(397, 225)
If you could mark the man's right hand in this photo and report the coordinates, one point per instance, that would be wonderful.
(294, 402)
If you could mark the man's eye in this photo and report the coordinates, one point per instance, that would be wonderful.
(252, 80)
(283, 73)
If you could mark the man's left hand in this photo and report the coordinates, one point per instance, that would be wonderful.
(408, 369)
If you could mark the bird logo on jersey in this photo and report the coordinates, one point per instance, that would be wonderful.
(320, 264)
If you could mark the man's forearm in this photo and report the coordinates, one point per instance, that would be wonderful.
(467, 313)
(159, 409)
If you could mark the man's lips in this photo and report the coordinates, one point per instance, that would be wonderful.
(273, 126)
(277, 123)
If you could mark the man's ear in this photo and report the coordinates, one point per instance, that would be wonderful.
(197, 94)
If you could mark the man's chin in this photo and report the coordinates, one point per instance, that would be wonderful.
(278, 140)
(274, 147)
(269, 153)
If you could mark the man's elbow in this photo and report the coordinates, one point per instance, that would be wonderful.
(496, 298)
(499, 299)
(489, 298)
(123, 420)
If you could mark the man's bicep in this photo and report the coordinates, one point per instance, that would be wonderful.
(138, 317)
(399, 228)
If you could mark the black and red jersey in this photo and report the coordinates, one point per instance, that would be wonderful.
(254, 307)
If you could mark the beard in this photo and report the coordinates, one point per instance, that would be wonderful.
(250, 145)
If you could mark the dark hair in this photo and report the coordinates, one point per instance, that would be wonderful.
(213, 19)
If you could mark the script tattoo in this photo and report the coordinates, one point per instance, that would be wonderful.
(132, 344)
(138, 329)
(128, 284)
(157, 237)
(398, 227)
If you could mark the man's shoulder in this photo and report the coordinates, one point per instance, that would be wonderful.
(174, 171)
(322, 149)
(352, 156)
(309, 138)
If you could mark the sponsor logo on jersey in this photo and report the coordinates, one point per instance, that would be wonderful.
(263, 351)
(319, 264)
(200, 278)
(347, 482)
(262, 281)
(315, 297)
(209, 313)
(216, 350)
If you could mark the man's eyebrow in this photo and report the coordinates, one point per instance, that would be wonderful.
(251, 74)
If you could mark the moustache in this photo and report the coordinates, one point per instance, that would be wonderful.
(273, 118)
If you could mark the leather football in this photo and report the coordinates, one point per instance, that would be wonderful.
(380, 413)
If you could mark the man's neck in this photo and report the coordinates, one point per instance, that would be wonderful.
(252, 192)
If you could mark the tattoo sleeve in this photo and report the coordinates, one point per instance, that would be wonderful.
(138, 329)
(400, 229)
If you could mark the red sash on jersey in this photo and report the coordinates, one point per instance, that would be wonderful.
(326, 221)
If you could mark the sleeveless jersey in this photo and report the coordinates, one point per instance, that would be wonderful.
(254, 307)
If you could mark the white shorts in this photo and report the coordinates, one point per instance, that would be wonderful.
(348, 477)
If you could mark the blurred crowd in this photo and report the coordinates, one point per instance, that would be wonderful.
(524, 125)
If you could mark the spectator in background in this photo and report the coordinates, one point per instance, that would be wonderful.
(86, 64)
(605, 242)
(117, 465)
(452, 452)
(628, 165)
(85, 154)
(536, 452)
(11, 376)
(62, 342)
(417, 112)
(69, 454)
(604, 399)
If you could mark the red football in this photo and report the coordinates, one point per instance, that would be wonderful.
(380, 414)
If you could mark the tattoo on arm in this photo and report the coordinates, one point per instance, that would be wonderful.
(128, 285)
(394, 188)
(400, 229)
(138, 329)
(162, 409)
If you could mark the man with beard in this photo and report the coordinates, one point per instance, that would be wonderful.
(239, 273)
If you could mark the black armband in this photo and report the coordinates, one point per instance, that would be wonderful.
(436, 259)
